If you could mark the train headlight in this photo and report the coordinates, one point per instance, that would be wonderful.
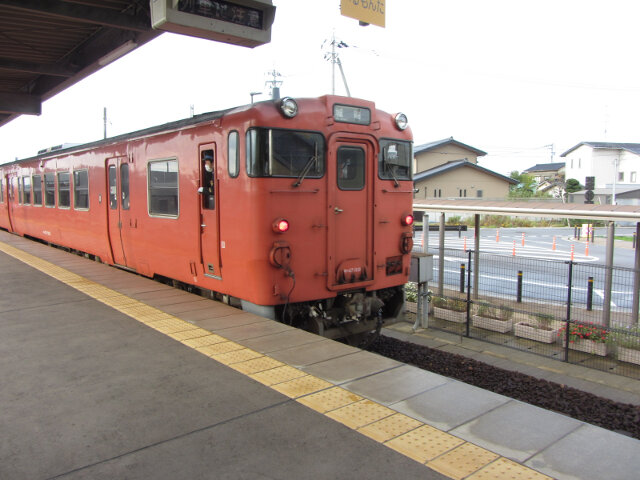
(407, 220)
(288, 107)
(401, 121)
(280, 225)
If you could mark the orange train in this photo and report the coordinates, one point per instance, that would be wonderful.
(297, 210)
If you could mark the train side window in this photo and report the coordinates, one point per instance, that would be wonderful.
(233, 154)
(113, 188)
(124, 185)
(64, 191)
(20, 198)
(81, 189)
(351, 168)
(26, 190)
(1, 189)
(50, 189)
(162, 176)
(36, 181)
(208, 180)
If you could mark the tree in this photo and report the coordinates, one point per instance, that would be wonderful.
(572, 185)
(526, 186)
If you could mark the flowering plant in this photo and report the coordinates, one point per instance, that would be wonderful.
(582, 331)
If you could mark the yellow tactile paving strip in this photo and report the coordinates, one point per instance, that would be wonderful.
(445, 453)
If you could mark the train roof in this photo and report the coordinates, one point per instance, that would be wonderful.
(165, 127)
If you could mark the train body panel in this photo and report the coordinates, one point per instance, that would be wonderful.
(295, 210)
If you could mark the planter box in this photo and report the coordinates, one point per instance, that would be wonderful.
(501, 326)
(588, 346)
(450, 315)
(629, 355)
(525, 330)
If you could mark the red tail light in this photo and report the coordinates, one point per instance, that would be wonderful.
(280, 225)
(407, 220)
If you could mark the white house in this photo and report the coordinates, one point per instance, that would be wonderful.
(610, 163)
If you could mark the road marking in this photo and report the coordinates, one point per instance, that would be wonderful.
(410, 437)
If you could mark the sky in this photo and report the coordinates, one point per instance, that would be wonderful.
(522, 81)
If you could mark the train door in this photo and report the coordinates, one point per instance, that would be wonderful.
(350, 212)
(10, 199)
(209, 211)
(118, 208)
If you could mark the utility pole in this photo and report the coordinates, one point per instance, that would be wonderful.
(334, 58)
(104, 119)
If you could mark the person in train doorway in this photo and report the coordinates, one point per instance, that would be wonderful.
(208, 180)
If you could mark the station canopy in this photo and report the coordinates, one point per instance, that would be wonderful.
(45, 47)
(616, 213)
(48, 45)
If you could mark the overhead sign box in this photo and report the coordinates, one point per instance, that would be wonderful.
(240, 22)
(367, 11)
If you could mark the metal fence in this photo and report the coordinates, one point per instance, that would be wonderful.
(558, 309)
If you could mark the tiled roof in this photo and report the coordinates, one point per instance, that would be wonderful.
(545, 167)
(447, 167)
(629, 147)
(446, 141)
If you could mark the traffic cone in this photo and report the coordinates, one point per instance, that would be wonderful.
(523, 239)
(465, 244)
(572, 251)
(514, 248)
(498, 235)
(553, 247)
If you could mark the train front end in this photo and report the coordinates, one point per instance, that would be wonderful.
(336, 194)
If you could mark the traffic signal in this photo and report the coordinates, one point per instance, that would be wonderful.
(589, 184)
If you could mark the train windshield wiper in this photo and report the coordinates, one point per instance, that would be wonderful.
(390, 169)
(307, 167)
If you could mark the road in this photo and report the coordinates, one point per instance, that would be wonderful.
(543, 261)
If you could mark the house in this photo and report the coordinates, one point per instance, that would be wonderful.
(449, 168)
(549, 177)
(461, 179)
(545, 172)
(610, 163)
(437, 153)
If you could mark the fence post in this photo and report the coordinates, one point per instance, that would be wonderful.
(568, 322)
(462, 268)
(469, 293)
(519, 286)
(590, 294)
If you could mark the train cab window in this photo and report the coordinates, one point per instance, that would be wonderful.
(81, 189)
(351, 168)
(285, 153)
(50, 189)
(233, 154)
(20, 199)
(37, 190)
(394, 161)
(64, 191)
(26, 190)
(124, 185)
(163, 188)
(208, 180)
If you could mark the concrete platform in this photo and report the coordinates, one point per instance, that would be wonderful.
(107, 384)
